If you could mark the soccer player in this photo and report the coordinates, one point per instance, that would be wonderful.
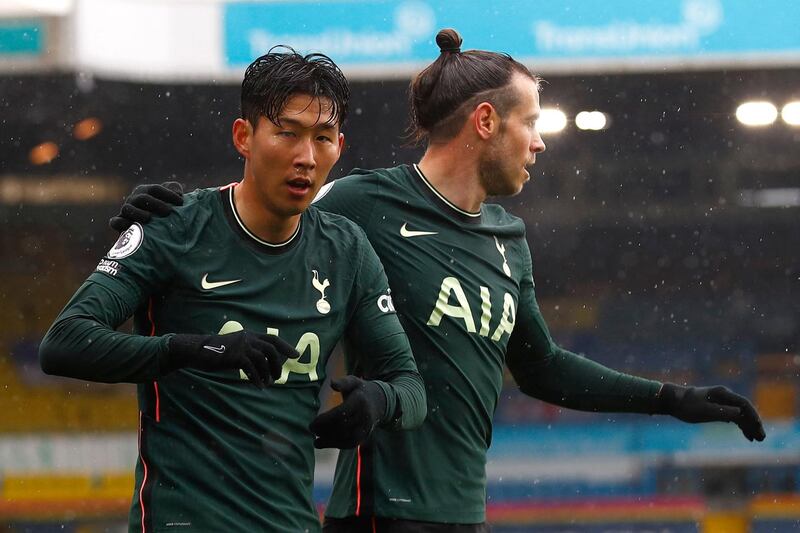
(225, 404)
(462, 282)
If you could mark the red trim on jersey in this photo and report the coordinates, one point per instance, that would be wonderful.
(150, 317)
(144, 464)
(228, 186)
(374, 526)
(152, 333)
(158, 402)
(358, 481)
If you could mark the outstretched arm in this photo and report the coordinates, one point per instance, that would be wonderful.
(545, 371)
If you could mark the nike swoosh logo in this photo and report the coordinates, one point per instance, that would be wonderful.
(208, 285)
(218, 349)
(405, 232)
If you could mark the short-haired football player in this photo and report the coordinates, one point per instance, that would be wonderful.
(238, 300)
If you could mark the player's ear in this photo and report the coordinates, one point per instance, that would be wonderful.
(341, 143)
(485, 120)
(242, 135)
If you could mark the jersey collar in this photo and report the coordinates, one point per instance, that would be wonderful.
(235, 222)
(437, 198)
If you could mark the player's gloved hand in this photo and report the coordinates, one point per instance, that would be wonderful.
(711, 404)
(349, 424)
(146, 201)
(259, 355)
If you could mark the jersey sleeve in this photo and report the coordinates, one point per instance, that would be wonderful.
(146, 263)
(548, 372)
(83, 342)
(353, 197)
(377, 348)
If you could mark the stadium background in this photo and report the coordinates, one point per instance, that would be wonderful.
(665, 244)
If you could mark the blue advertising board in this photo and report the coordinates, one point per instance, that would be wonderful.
(21, 37)
(646, 436)
(362, 33)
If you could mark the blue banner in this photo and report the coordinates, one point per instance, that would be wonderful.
(21, 37)
(361, 33)
(647, 436)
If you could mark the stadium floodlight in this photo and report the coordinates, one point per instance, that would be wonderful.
(791, 113)
(87, 128)
(551, 121)
(591, 120)
(758, 113)
(775, 197)
(43, 153)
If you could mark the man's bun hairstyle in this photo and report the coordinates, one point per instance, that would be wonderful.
(449, 40)
(439, 93)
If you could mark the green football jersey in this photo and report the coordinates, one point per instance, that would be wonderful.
(216, 453)
(462, 284)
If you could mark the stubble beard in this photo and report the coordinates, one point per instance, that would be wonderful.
(495, 179)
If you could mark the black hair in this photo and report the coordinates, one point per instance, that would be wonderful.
(448, 89)
(273, 78)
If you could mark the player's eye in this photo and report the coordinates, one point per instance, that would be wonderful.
(286, 133)
(324, 138)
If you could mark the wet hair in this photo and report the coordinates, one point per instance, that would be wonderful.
(279, 74)
(445, 92)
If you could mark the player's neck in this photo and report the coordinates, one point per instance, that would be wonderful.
(454, 174)
(258, 219)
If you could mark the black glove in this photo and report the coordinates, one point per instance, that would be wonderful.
(259, 355)
(711, 404)
(349, 424)
(145, 201)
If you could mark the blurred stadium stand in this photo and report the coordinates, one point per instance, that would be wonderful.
(650, 256)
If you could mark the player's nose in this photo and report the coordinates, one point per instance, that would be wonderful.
(537, 145)
(305, 156)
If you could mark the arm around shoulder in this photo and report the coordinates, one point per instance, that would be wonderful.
(548, 372)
